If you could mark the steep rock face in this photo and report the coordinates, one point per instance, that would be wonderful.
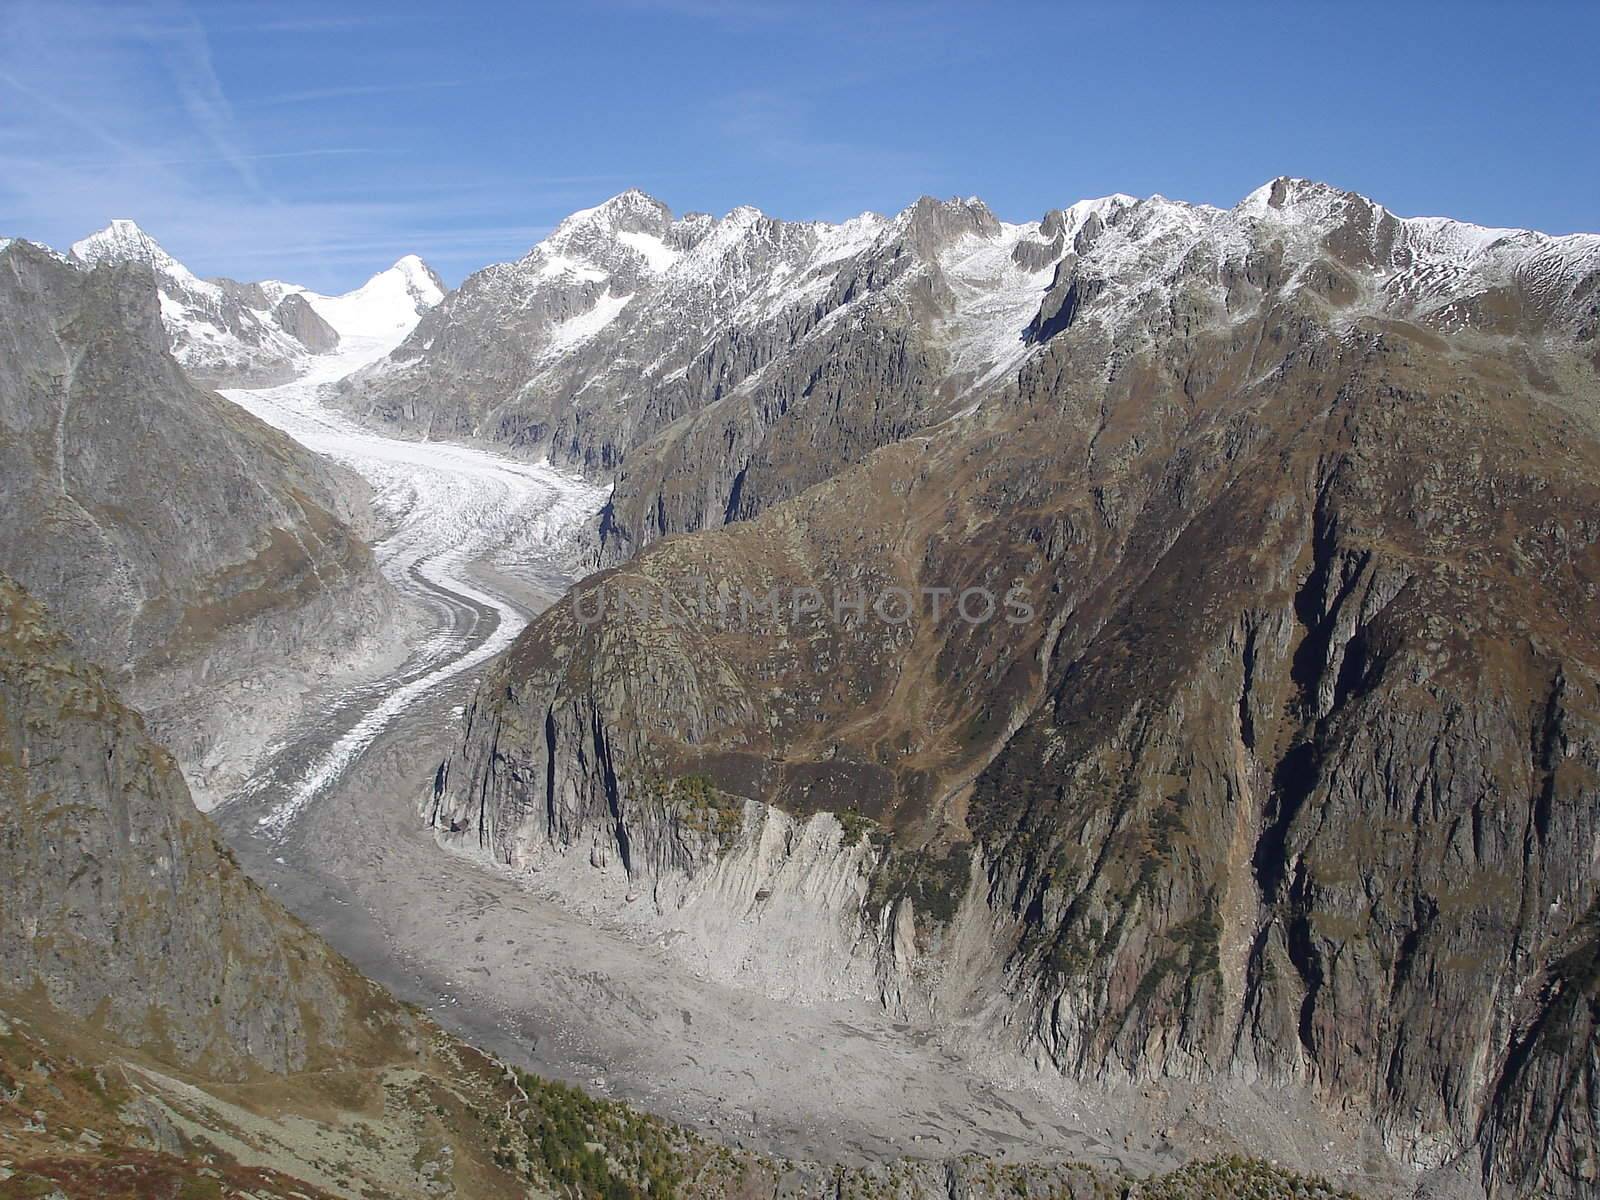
(182, 543)
(1290, 811)
(165, 1027)
(1291, 775)
(300, 321)
(119, 903)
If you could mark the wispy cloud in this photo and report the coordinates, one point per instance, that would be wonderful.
(309, 23)
(890, 25)
(42, 98)
(121, 112)
(91, 164)
(295, 18)
(746, 13)
(185, 51)
(350, 91)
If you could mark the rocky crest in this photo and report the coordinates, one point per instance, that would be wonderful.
(1291, 779)
(665, 351)
(297, 318)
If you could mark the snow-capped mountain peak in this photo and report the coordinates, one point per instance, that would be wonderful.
(623, 237)
(124, 241)
(227, 332)
(629, 211)
(119, 241)
(623, 304)
(386, 306)
(421, 281)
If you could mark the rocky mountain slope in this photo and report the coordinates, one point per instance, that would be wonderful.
(231, 334)
(188, 548)
(713, 367)
(167, 1030)
(1284, 779)
(664, 350)
(154, 997)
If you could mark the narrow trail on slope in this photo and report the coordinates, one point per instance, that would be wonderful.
(450, 507)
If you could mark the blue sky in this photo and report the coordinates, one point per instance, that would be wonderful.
(318, 142)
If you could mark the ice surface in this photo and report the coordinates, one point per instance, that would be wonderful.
(451, 506)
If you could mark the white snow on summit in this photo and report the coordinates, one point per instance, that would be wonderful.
(228, 332)
(388, 304)
(124, 241)
(214, 332)
(1432, 269)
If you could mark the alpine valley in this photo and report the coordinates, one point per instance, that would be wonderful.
(363, 833)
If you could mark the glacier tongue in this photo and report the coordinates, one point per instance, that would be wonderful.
(451, 507)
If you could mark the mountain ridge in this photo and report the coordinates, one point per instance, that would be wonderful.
(584, 352)
(228, 333)
(189, 548)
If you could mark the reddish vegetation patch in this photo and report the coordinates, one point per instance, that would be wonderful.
(147, 1175)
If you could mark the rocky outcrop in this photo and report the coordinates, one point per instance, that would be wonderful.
(299, 320)
(224, 333)
(121, 907)
(184, 545)
(1285, 774)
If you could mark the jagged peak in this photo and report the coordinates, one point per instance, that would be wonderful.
(421, 279)
(924, 205)
(1291, 198)
(630, 209)
(1104, 204)
(633, 198)
(6, 243)
(862, 222)
(930, 224)
(119, 231)
(124, 241)
(1070, 220)
(1323, 208)
(582, 245)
